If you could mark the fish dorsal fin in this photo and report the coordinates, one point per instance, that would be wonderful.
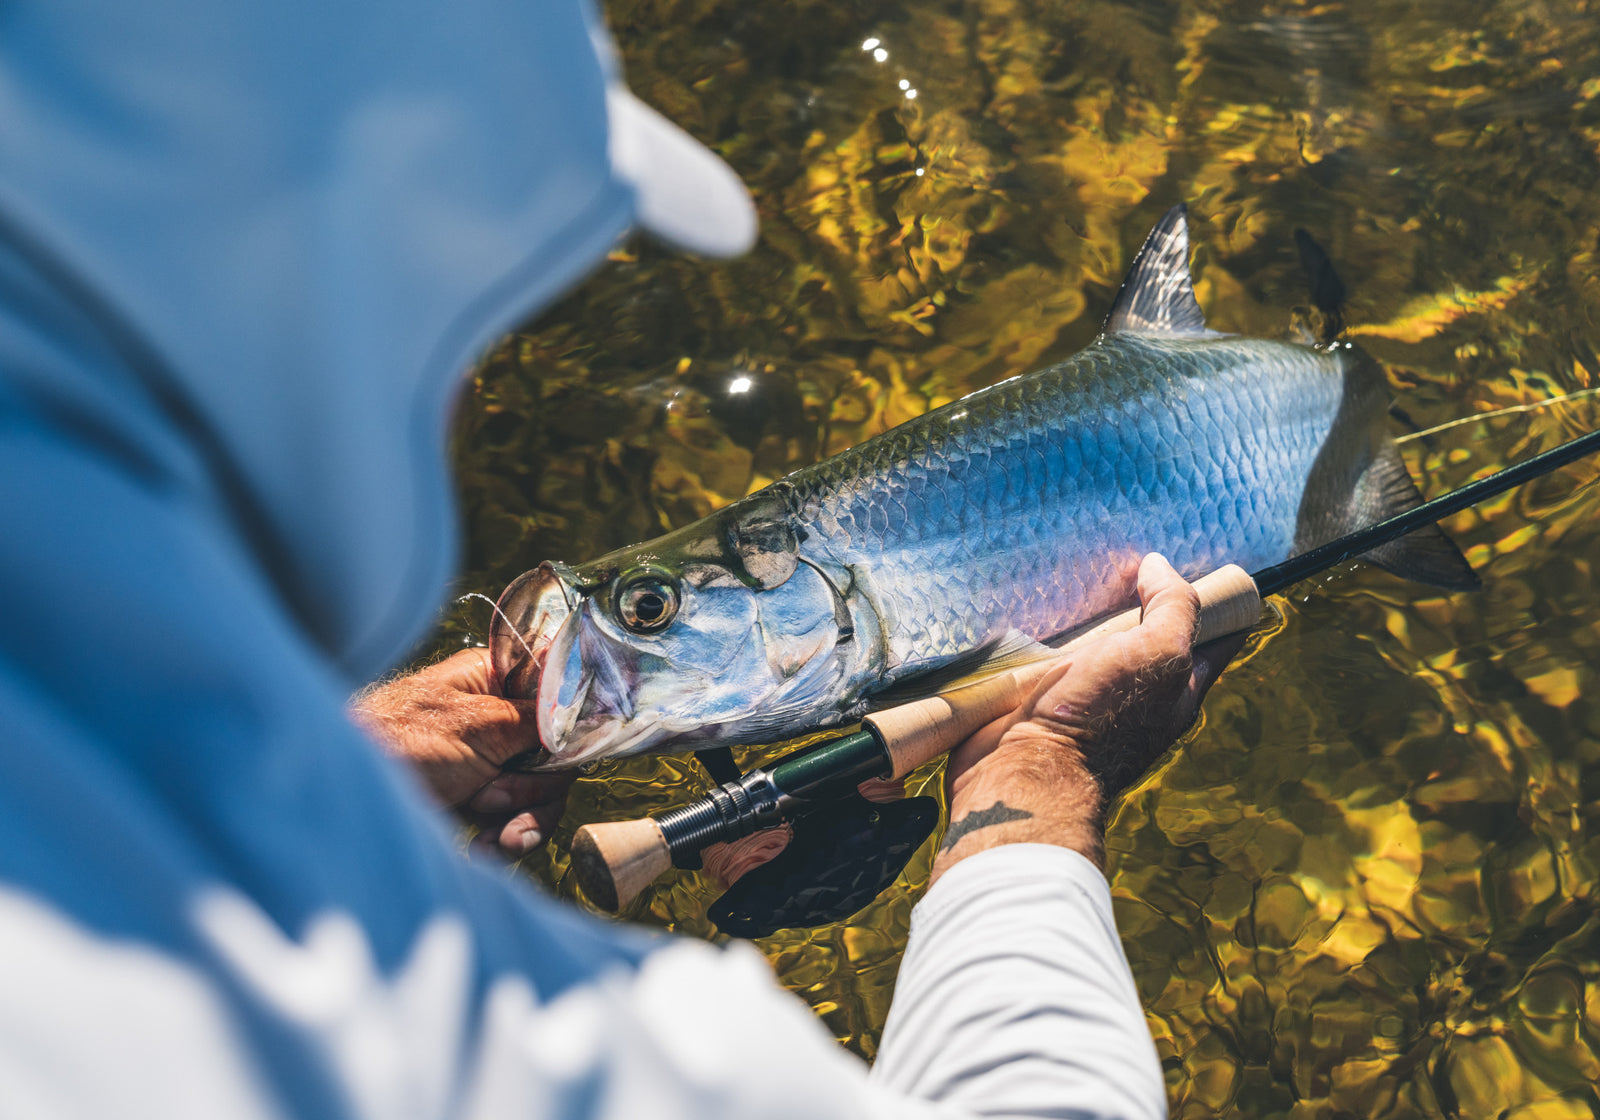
(1157, 296)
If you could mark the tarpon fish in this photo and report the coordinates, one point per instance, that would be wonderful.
(1020, 510)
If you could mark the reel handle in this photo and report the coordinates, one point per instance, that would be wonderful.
(615, 860)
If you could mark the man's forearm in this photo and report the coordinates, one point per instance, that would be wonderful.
(1025, 793)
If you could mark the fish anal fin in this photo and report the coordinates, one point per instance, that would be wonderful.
(1301, 328)
(1426, 555)
(1327, 290)
(1157, 296)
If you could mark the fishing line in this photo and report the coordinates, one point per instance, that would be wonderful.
(1576, 394)
(495, 607)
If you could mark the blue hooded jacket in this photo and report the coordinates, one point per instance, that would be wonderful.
(246, 253)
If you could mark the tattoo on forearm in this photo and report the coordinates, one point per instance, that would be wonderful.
(998, 813)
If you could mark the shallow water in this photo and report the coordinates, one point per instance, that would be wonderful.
(1367, 884)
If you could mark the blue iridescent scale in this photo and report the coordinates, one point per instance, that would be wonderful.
(1026, 505)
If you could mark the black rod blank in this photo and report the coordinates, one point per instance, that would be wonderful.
(1273, 579)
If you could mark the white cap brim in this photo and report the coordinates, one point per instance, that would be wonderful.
(686, 195)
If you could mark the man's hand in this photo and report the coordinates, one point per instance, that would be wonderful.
(447, 723)
(1045, 773)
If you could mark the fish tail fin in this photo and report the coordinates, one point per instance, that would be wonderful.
(1426, 555)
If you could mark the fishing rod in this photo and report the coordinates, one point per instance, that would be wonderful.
(614, 861)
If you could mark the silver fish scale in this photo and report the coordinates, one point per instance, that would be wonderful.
(1027, 505)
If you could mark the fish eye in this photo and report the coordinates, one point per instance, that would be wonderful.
(647, 604)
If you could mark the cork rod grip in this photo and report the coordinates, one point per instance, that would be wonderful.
(924, 729)
(616, 860)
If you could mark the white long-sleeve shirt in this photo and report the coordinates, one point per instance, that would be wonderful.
(1014, 1000)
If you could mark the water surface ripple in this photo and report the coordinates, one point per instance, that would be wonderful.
(1367, 884)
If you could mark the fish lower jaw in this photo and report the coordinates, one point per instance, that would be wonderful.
(583, 728)
(606, 740)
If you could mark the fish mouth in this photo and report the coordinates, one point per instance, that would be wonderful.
(542, 647)
(586, 704)
(526, 620)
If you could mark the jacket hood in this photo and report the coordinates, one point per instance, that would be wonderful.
(287, 229)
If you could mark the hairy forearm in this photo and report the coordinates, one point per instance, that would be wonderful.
(1023, 793)
(450, 725)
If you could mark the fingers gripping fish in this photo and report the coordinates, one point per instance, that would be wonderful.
(1023, 508)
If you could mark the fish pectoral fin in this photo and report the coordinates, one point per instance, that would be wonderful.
(1013, 649)
(718, 764)
(1426, 555)
(1157, 296)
